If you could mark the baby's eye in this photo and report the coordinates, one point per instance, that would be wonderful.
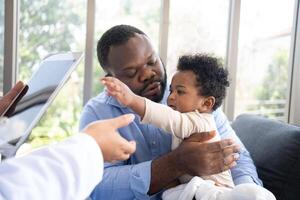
(180, 92)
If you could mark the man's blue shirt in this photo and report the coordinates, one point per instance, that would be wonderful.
(131, 179)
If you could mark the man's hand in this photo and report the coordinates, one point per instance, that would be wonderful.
(9, 101)
(119, 90)
(195, 157)
(201, 159)
(112, 145)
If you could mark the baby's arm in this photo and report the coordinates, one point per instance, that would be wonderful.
(124, 95)
(182, 125)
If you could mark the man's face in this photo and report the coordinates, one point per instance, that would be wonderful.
(137, 65)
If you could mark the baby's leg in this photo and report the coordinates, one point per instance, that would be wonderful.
(249, 191)
(184, 191)
(173, 193)
(191, 188)
(207, 190)
(241, 192)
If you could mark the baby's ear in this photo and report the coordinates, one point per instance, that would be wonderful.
(209, 102)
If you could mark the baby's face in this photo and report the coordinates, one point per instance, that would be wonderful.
(184, 95)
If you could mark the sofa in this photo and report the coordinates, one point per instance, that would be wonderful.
(275, 150)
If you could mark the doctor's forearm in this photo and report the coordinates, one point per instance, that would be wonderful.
(61, 171)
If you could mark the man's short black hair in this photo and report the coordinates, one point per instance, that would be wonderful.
(211, 77)
(116, 35)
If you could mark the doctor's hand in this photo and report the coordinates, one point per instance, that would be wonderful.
(113, 146)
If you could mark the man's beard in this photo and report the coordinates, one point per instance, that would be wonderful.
(163, 83)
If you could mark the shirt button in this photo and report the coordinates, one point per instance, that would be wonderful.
(153, 143)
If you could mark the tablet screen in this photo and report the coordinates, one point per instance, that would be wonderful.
(44, 85)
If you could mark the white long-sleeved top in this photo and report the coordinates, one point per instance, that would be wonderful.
(183, 125)
(180, 125)
(68, 170)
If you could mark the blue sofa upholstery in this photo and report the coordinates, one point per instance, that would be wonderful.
(275, 149)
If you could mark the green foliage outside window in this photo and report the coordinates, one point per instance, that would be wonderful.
(48, 26)
(52, 26)
(272, 93)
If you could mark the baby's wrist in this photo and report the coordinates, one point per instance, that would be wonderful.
(129, 101)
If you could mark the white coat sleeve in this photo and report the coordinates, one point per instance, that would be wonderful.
(69, 170)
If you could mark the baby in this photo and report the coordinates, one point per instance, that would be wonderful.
(197, 89)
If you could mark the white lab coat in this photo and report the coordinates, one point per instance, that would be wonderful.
(68, 170)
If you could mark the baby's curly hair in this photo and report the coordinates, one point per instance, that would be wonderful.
(211, 77)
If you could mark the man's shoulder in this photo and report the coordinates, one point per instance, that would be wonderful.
(219, 115)
(101, 99)
(99, 108)
(104, 106)
(100, 103)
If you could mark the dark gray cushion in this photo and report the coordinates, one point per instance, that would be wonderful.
(275, 149)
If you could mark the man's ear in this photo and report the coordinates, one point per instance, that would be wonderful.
(209, 103)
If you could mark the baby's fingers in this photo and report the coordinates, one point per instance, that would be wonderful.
(111, 85)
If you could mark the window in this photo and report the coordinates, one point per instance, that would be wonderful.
(197, 26)
(51, 27)
(264, 45)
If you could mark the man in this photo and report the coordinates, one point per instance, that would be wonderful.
(68, 170)
(127, 54)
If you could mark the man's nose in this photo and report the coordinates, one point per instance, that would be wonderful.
(146, 74)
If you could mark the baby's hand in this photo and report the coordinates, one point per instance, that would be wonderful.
(119, 90)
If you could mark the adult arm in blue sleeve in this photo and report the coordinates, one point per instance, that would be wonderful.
(245, 170)
(124, 182)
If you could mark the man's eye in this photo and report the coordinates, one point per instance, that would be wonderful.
(152, 62)
(130, 73)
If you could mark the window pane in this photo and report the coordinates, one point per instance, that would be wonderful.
(195, 27)
(51, 27)
(264, 44)
(1, 45)
(145, 16)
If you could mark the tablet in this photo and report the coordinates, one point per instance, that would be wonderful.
(43, 87)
